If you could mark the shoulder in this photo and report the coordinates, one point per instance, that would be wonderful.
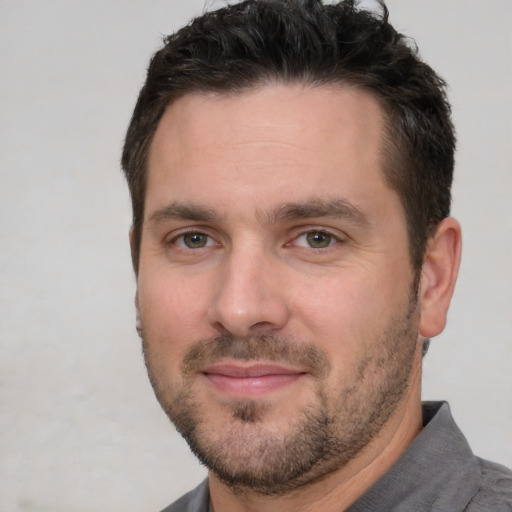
(196, 500)
(495, 490)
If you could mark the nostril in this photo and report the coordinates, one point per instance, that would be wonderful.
(246, 299)
(220, 328)
(260, 326)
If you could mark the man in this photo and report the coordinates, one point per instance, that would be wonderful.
(290, 167)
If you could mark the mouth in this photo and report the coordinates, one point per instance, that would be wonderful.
(246, 381)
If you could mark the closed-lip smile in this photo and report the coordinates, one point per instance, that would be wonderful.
(250, 380)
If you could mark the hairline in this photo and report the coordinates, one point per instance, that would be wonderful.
(392, 159)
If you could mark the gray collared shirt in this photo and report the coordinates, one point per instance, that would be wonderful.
(437, 473)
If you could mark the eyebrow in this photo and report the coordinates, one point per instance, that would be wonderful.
(180, 211)
(309, 209)
(335, 208)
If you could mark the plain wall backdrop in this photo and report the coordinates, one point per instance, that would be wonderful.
(80, 429)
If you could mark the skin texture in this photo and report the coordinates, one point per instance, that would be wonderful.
(281, 318)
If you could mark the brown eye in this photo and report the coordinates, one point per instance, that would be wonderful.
(318, 239)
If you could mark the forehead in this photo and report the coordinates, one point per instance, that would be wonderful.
(279, 111)
(291, 139)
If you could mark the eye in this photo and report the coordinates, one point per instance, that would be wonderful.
(315, 239)
(194, 240)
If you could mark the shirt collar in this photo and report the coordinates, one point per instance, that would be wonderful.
(437, 472)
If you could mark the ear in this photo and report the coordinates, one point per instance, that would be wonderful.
(131, 240)
(138, 320)
(438, 276)
(133, 251)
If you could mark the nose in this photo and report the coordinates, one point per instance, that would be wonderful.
(250, 298)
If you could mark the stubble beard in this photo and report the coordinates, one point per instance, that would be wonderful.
(249, 455)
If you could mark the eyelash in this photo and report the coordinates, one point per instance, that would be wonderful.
(310, 233)
(210, 241)
(181, 236)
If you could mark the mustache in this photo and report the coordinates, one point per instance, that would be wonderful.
(277, 349)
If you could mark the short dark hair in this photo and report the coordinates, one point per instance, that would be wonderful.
(255, 42)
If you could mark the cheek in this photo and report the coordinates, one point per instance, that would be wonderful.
(172, 311)
(334, 302)
(347, 315)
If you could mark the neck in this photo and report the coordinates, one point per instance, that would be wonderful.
(338, 490)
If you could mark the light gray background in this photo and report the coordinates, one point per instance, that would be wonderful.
(80, 429)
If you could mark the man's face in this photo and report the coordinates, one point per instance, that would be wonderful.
(275, 289)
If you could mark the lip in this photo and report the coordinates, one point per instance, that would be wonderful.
(250, 380)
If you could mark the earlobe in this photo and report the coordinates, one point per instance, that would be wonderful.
(438, 276)
(133, 250)
(138, 320)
